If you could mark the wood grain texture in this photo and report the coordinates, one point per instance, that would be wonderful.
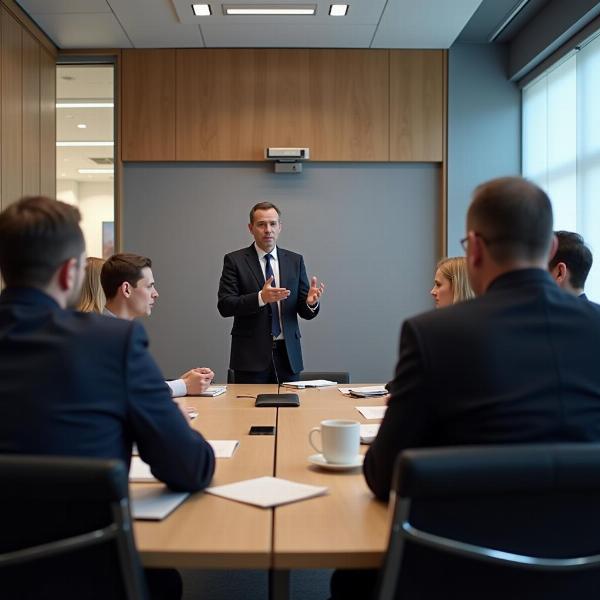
(148, 105)
(19, 14)
(31, 115)
(12, 109)
(211, 532)
(232, 104)
(347, 528)
(47, 124)
(416, 105)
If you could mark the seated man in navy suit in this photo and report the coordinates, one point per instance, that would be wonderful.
(571, 263)
(79, 384)
(128, 284)
(515, 365)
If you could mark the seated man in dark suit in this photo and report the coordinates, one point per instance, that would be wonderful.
(517, 364)
(79, 384)
(571, 263)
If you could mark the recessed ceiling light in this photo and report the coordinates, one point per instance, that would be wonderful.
(82, 144)
(85, 104)
(95, 171)
(270, 9)
(81, 126)
(338, 10)
(201, 10)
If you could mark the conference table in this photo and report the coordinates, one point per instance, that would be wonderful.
(346, 528)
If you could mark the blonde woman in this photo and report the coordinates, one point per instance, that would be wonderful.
(451, 284)
(92, 297)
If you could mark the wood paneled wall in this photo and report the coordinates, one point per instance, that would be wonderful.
(229, 105)
(27, 107)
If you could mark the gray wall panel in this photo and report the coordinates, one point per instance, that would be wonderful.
(367, 230)
(484, 127)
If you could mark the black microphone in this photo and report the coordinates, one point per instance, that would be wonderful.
(277, 399)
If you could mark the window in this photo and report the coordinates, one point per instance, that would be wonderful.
(561, 146)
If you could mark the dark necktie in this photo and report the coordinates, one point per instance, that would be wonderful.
(275, 326)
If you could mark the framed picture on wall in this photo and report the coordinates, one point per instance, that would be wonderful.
(108, 238)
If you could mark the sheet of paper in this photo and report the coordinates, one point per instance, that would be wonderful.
(224, 448)
(139, 471)
(154, 503)
(310, 383)
(372, 412)
(368, 432)
(214, 390)
(267, 491)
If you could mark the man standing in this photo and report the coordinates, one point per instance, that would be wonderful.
(515, 365)
(265, 288)
(571, 263)
(128, 285)
(79, 384)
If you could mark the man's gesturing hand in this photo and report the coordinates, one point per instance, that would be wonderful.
(273, 294)
(315, 291)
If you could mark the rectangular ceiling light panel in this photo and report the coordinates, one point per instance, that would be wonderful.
(270, 9)
(202, 10)
(338, 10)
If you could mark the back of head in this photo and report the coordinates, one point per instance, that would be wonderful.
(514, 218)
(120, 268)
(37, 235)
(577, 257)
(92, 296)
(454, 269)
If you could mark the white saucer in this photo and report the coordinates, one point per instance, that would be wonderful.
(319, 460)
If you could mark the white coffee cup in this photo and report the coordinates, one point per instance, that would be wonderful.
(340, 439)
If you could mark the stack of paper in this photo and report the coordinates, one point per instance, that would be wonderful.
(368, 433)
(214, 390)
(139, 471)
(310, 383)
(267, 491)
(372, 412)
(367, 391)
(154, 503)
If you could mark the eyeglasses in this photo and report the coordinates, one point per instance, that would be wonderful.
(487, 241)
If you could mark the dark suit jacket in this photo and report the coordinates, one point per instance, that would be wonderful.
(241, 280)
(81, 384)
(518, 364)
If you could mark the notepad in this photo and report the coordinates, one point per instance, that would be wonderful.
(267, 492)
(224, 448)
(154, 503)
(310, 383)
(213, 390)
(372, 412)
(368, 432)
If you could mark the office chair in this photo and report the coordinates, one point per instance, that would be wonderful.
(66, 530)
(338, 376)
(505, 522)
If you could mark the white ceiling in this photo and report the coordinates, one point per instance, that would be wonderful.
(81, 83)
(172, 24)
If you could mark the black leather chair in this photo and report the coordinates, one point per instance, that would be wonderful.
(338, 376)
(66, 530)
(505, 522)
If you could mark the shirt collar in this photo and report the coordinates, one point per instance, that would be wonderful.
(261, 253)
(107, 313)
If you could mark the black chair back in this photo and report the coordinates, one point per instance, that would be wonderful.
(338, 376)
(66, 530)
(509, 521)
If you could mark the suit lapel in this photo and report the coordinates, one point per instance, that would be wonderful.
(284, 269)
(253, 264)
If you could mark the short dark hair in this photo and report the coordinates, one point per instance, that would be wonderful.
(120, 268)
(37, 235)
(514, 217)
(575, 254)
(262, 206)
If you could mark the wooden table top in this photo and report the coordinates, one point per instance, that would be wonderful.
(346, 528)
